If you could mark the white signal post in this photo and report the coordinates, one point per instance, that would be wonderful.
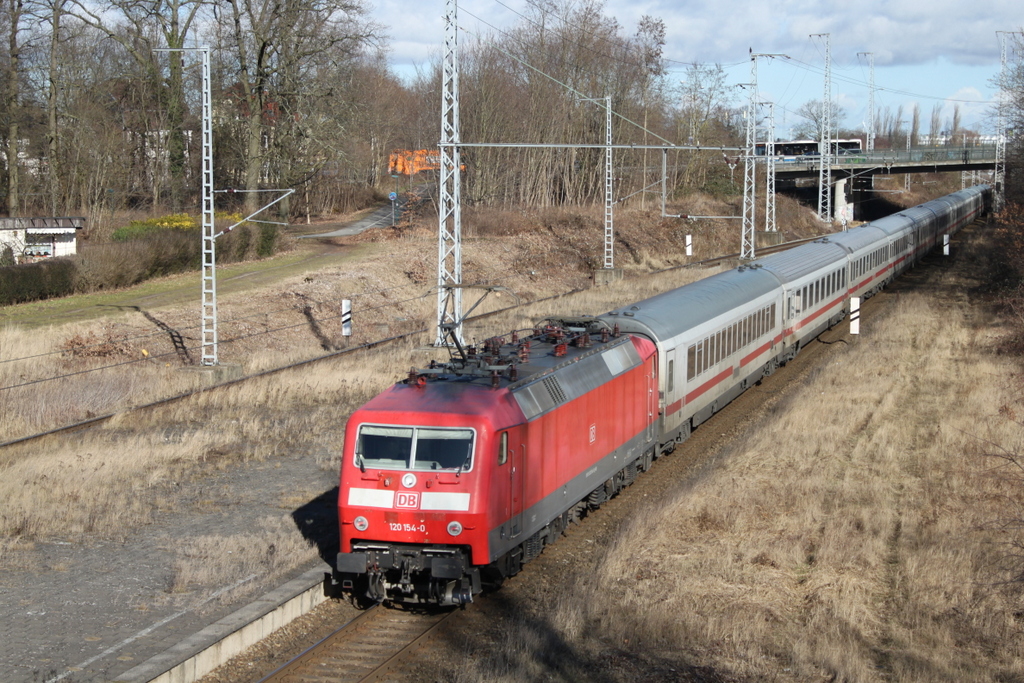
(854, 315)
(346, 318)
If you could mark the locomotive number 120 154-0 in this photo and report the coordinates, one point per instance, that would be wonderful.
(398, 526)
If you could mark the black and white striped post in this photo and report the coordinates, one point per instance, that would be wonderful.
(689, 245)
(346, 318)
(854, 315)
(945, 245)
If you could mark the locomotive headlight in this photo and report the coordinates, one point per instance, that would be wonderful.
(361, 523)
(454, 528)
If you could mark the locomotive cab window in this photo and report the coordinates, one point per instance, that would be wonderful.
(414, 448)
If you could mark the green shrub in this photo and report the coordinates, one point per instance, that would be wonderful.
(41, 280)
(152, 226)
(138, 252)
(267, 240)
(242, 241)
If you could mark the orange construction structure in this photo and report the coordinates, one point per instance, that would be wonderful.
(411, 162)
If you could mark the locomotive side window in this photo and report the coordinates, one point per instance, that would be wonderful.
(503, 443)
(415, 448)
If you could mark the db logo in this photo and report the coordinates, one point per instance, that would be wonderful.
(407, 499)
(593, 433)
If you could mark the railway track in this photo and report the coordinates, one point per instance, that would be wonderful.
(100, 419)
(368, 648)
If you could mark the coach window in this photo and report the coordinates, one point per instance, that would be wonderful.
(691, 362)
(503, 447)
(671, 376)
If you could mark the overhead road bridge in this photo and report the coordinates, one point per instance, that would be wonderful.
(856, 171)
(889, 162)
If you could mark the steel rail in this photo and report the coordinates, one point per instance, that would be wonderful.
(368, 648)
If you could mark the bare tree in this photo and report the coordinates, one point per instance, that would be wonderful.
(915, 124)
(280, 50)
(813, 111)
(954, 127)
(935, 127)
(15, 11)
(173, 20)
(1013, 86)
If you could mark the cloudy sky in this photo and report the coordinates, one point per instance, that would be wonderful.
(924, 51)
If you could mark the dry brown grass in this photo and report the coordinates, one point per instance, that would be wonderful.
(862, 533)
(847, 539)
(269, 551)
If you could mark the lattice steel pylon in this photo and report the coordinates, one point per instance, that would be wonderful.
(769, 188)
(825, 141)
(209, 238)
(748, 235)
(609, 204)
(999, 176)
(209, 248)
(449, 236)
(871, 99)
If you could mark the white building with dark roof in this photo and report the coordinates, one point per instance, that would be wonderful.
(31, 239)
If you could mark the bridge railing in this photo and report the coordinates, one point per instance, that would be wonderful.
(894, 157)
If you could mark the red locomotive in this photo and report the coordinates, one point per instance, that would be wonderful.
(460, 474)
(457, 476)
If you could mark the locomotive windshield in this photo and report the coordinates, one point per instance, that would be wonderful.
(414, 448)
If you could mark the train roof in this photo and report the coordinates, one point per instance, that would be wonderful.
(670, 313)
(554, 365)
(855, 239)
(798, 262)
(897, 222)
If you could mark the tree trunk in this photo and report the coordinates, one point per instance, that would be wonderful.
(15, 8)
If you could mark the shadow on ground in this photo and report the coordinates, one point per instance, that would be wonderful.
(317, 521)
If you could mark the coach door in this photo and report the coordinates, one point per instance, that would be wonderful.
(670, 405)
(652, 397)
(517, 483)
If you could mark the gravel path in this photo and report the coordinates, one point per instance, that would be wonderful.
(89, 610)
